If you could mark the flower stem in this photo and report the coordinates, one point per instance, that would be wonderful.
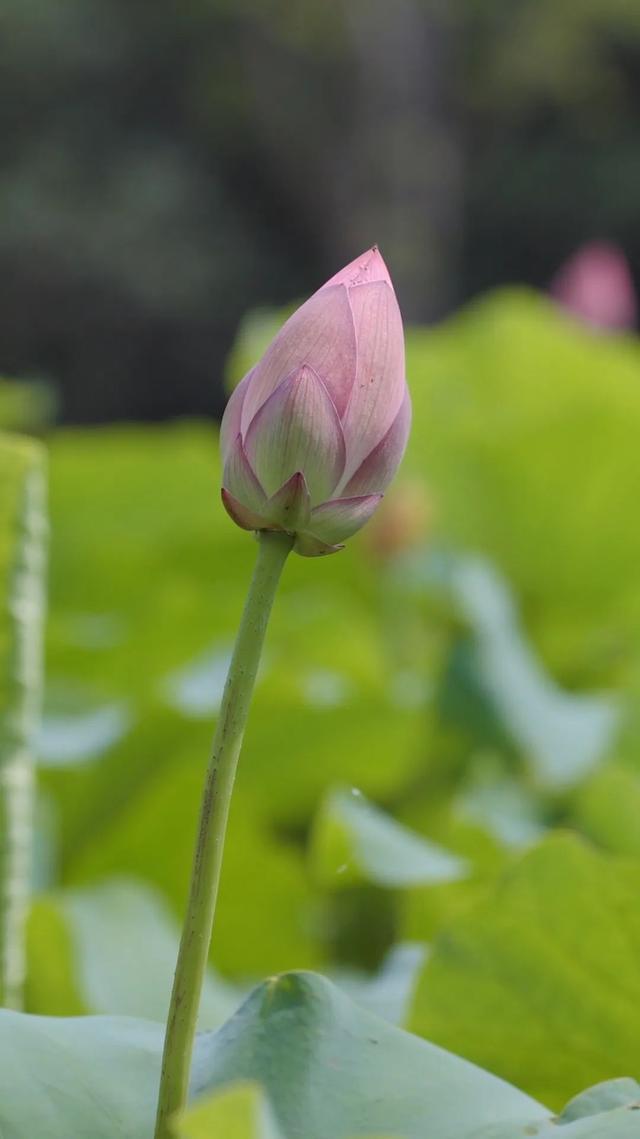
(196, 935)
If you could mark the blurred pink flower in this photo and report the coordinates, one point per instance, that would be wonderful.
(314, 433)
(595, 284)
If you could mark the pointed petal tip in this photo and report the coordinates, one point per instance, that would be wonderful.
(309, 546)
(290, 506)
(366, 269)
(243, 517)
(303, 373)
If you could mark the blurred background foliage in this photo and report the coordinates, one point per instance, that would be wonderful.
(435, 703)
(441, 699)
(167, 167)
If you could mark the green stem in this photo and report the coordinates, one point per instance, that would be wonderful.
(205, 878)
(19, 718)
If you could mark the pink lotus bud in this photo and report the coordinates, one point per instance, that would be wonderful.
(596, 286)
(313, 435)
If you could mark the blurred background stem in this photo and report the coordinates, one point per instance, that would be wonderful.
(19, 720)
(196, 934)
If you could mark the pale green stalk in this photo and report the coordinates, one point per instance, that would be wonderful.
(196, 934)
(20, 687)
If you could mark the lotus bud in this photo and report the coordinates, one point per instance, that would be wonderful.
(314, 433)
(595, 285)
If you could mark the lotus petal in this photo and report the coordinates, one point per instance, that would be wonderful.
(341, 517)
(231, 420)
(311, 547)
(365, 269)
(243, 517)
(290, 506)
(380, 385)
(239, 478)
(379, 467)
(298, 429)
(321, 334)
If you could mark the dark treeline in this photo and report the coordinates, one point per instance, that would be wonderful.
(167, 166)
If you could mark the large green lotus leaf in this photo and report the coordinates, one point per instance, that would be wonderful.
(606, 1111)
(331, 1070)
(298, 1060)
(526, 426)
(619, 1124)
(353, 841)
(540, 980)
(242, 1111)
(22, 538)
(86, 1077)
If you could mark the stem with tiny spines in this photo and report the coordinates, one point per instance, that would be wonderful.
(274, 548)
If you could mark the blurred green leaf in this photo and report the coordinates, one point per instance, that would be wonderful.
(506, 807)
(353, 841)
(255, 332)
(607, 809)
(526, 426)
(25, 406)
(540, 980)
(239, 1112)
(54, 986)
(104, 930)
(388, 993)
(132, 699)
(562, 735)
(263, 918)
